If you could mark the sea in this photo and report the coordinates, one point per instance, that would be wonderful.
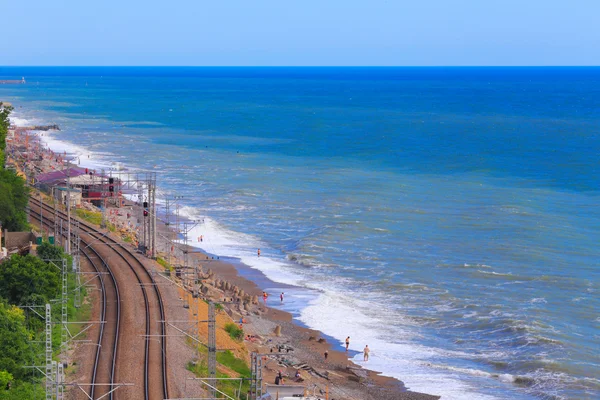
(448, 218)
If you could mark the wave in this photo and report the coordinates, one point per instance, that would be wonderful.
(465, 265)
(495, 273)
(509, 378)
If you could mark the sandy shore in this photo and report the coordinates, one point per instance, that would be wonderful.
(337, 375)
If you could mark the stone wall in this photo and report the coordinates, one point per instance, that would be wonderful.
(17, 239)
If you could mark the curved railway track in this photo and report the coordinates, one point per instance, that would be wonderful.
(155, 349)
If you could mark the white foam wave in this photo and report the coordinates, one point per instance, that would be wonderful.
(218, 240)
(339, 315)
(81, 156)
(466, 265)
(494, 273)
(20, 121)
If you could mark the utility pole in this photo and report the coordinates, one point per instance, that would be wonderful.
(212, 349)
(151, 183)
(64, 298)
(48, 366)
(256, 371)
(68, 210)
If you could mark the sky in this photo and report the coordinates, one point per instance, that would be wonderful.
(300, 32)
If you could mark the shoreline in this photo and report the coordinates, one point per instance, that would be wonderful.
(253, 281)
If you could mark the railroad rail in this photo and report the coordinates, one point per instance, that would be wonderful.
(155, 352)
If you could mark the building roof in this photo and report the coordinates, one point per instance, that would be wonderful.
(88, 180)
(55, 176)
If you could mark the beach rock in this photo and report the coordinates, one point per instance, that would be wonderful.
(42, 128)
(241, 293)
(278, 330)
(255, 299)
(227, 286)
(311, 338)
(321, 340)
(358, 374)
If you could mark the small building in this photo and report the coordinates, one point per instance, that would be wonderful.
(61, 193)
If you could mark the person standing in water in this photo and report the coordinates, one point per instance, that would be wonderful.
(281, 297)
(258, 253)
(366, 352)
(347, 342)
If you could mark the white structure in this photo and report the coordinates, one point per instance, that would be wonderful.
(74, 194)
(288, 392)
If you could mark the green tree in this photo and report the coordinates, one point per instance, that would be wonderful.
(47, 251)
(4, 123)
(14, 196)
(28, 280)
(15, 349)
(5, 378)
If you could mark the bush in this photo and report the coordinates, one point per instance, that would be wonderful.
(28, 280)
(90, 216)
(234, 331)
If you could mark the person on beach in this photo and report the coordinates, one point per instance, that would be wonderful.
(347, 342)
(258, 253)
(281, 297)
(366, 352)
(326, 354)
(265, 295)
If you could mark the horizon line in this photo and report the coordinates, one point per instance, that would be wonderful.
(299, 66)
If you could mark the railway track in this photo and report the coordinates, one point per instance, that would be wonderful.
(155, 381)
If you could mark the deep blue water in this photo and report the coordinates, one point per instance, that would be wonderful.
(448, 217)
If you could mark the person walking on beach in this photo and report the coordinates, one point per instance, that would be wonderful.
(265, 295)
(326, 354)
(366, 352)
(347, 342)
(281, 297)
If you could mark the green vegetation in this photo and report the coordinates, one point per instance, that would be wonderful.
(231, 387)
(164, 263)
(234, 331)
(228, 359)
(32, 281)
(90, 216)
(14, 195)
(28, 280)
(4, 122)
(15, 351)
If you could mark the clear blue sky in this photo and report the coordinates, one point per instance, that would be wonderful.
(300, 32)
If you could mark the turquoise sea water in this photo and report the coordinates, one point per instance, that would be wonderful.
(447, 217)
